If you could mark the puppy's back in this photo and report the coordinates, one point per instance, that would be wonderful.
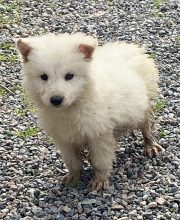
(133, 57)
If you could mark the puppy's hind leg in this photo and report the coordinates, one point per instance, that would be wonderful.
(101, 157)
(152, 148)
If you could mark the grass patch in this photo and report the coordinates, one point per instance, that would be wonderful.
(20, 112)
(8, 58)
(10, 12)
(50, 140)
(29, 132)
(157, 14)
(177, 40)
(41, 31)
(152, 55)
(25, 100)
(27, 105)
(159, 106)
(164, 134)
(7, 46)
(33, 109)
(24, 112)
(2, 91)
(51, 5)
(158, 3)
(16, 88)
(11, 58)
(8, 50)
(2, 58)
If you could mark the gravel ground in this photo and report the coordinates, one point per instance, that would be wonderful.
(30, 166)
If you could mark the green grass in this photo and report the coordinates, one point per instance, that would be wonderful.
(51, 5)
(152, 55)
(24, 112)
(28, 106)
(7, 46)
(20, 112)
(11, 58)
(7, 8)
(8, 58)
(8, 49)
(157, 14)
(33, 109)
(2, 91)
(50, 140)
(158, 3)
(29, 132)
(159, 106)
(25, 100)
(10, 12)
(2, 58)
(164, 134)
(177, 40)
(16, 87)
(41, 31)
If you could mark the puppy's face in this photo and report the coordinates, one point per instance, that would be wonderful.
(56, 68)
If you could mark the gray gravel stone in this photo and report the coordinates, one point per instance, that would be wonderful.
(88, 201)
(123, 218)
(152, 205)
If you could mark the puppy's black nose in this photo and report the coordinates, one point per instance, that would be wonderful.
(56, 100)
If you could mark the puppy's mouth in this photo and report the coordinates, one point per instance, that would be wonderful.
(61, 106)
(57, 106)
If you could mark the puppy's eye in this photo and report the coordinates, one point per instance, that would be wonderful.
(69, 76)
(44, 76)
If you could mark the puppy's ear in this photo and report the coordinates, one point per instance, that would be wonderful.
(87, 50)
(24, 49)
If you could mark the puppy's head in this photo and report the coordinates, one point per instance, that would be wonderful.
(56, 68)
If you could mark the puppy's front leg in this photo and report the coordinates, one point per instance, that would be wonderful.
(72, 158)
(101, 157)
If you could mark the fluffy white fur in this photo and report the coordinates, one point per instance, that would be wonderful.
(110, 91)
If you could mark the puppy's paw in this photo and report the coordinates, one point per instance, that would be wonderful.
(152, 150)
(99, 183)
(71, 180)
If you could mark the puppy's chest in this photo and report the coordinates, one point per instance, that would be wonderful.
(78, 126)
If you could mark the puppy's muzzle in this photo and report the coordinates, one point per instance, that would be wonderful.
(56, 100)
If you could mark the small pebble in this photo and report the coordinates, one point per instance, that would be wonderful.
(152, 205)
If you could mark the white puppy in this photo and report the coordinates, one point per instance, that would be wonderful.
(86, 95)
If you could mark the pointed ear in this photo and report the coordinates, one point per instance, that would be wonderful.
(87, 50)
(24, 49)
